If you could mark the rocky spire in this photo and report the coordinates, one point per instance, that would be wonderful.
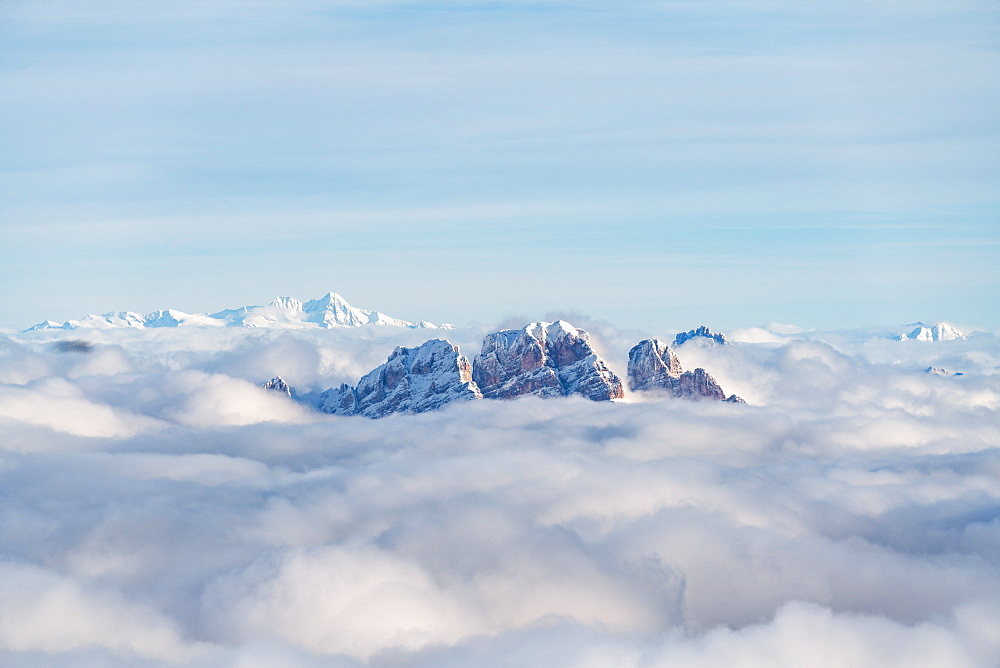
(652, 365)
(546, 360)
(702, 332)
(277, 384)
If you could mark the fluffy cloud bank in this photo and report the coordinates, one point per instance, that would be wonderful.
(158, 508)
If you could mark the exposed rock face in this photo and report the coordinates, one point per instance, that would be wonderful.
(413, 380)
(277, 384)
(697, 384)
(546, 360)
(652, 365)
(542, 359)
(703, 332)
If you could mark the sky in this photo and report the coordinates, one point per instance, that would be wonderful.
(655, 164)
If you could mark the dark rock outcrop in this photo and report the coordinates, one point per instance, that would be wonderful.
(702, 332)
(652, 365)
(698, 384)
(546, 360)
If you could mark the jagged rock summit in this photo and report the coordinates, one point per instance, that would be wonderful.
(329, 311)
(412, 380)
(544, 359)
(652, 365)
(278, 384)
(702, 332)
(942, 331)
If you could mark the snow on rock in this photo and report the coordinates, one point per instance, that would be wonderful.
(701, 332)
(174, 318)
(698, 384)
(413, 380)
(45, 324)
(113, 319)
(942, 331)
(652, 365)
(545, 360)
(338, 401)
(277, 384)
(330, 310)
(938, 371)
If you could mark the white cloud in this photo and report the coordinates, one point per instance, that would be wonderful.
(811, 636)
(45, 612)
(177, 512)
(59, 405)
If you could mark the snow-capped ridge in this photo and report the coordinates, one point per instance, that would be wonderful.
(329, 311)
(289, 303)
(545, 359)
(942, 331)
(412, 380)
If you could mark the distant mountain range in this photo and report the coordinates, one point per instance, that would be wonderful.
(332, 311)
(329, 311)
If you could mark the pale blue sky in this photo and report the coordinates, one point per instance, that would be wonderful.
(657, 164)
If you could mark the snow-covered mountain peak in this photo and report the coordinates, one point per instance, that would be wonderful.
(544, 359)
(943, 331)
(329, 311)
(289, 303)
(330, 300)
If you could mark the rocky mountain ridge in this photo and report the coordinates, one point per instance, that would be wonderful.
(412, 380)
(702, 332)
(329, 311)
(543, 359)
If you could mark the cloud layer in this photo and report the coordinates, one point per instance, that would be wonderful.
(157, 507)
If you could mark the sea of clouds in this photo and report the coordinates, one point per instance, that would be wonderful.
(159, 507)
